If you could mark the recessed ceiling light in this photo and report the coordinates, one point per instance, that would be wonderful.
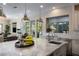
(4, 3)
(41, 6)
(54, 8)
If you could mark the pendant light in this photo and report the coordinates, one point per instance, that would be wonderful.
(40, 19)
(25, 15)
(1, 12)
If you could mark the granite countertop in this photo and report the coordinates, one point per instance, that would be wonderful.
(41, 48)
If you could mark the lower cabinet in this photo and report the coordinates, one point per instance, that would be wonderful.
(69, 46)
(65, 50)
(61, 51)
(75, 47)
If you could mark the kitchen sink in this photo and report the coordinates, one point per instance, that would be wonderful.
(55, 42)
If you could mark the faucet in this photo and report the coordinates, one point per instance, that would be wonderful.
(51, 36)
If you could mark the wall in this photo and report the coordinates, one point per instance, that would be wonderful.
(59, 12)
(18, 24)
(59, 19)
(75, 23)
(4, 21)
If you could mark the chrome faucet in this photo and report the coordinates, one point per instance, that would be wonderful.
(50, 36)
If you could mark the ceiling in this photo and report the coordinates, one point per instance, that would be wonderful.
(17, 10)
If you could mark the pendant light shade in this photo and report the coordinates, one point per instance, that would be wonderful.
(25, 15)
(40, 19)
(1, 13)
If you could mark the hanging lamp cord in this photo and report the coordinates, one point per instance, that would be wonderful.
(25, 8)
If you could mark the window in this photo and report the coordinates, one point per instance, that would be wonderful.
(60, 23)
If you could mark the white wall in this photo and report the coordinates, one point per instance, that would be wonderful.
(59, 12)
(18, 25)
(3, 21)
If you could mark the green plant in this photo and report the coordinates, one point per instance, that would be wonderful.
(7, 30)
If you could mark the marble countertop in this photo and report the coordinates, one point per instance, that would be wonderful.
(41, 48)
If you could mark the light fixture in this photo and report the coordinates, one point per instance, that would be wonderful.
(40, 19)
(1, 12)
(41, 6)
(25, 15)
(53, 7)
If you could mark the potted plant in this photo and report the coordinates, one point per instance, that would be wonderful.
(7, 31)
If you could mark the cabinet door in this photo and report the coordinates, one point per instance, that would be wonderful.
(75, 47)
(61, 51)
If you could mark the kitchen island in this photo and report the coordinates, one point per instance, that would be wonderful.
(41, 48)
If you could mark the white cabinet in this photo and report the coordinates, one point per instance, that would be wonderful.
(61, 51)
(75, 47)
